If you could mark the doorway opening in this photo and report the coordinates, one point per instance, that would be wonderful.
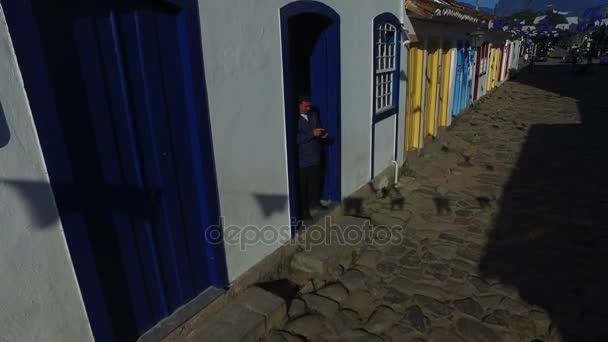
(311, 68)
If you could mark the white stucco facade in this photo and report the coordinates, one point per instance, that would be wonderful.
(40, 299)
(243, 65)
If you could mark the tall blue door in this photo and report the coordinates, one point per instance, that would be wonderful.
(472, 71)
(458, 79)
(465, 77)
(324, 73)
(117, 90)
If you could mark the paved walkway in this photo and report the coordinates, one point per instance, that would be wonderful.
(504, 225)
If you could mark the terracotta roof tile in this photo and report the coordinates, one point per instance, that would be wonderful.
(445, 11)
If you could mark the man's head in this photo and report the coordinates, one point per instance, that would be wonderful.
(304, 104)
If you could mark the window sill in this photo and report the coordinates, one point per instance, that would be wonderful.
(385, 114)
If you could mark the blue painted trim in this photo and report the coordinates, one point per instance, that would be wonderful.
(385, 115)
(288, 11)
(381, 19)
(458, 78)
(200, 131)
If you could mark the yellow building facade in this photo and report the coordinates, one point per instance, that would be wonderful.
(444, 91)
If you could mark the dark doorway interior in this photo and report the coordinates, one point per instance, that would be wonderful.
(305, 31)
(313, 71)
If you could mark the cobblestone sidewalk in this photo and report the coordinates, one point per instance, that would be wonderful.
(502, 218)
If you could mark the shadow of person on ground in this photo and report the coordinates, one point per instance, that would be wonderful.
(550, 238)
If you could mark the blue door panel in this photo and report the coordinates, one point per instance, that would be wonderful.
(96, 79)
(332, 186)
(324, 95)
(191, 158)
(470, 86)
(458, 80)
(151, 108)
(464, 80)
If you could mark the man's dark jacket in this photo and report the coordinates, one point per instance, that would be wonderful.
(309, 147)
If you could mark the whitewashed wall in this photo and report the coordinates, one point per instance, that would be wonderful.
(242, 53)
(39, 296)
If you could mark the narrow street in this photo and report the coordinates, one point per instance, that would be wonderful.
(505, 228)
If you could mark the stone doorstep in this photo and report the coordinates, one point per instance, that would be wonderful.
(254, 312)
(249, 317)
(218, 321)
(325, 258)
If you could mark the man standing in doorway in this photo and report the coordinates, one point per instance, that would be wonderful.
(310, 149)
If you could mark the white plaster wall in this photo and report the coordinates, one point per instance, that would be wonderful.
(39, 296)
(242, 52)
(384, 146)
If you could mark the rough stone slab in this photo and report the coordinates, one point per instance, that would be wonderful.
(347, 319)
(470, 307)
(336, 292)
(297, 308)
(369, 258)
(514, 306)
(335, 251)
(353, 280)
(233, 323)
(358, 335)
(310, 326)
(313, 264)
(272, 307)
(249, 317)
(414, 317)
(475, 331)
(439, 334)
(360, 301)
(275, 337)
(321, 305)
(433, 306)
(381, 320)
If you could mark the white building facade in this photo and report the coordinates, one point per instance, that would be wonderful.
(142, 144)
(253, 159)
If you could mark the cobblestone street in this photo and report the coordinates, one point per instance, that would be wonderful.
(504, 224)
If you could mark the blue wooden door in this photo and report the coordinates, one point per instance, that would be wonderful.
(126, 138)
(458, 80)
(465, 78)
(472, 71)
(324, 78)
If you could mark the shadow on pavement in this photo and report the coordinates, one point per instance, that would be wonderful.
(550, 238)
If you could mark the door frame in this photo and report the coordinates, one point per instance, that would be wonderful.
(458, 79)
(386, 18)
(28, 45)
(413, 103)
(286, 12)
(476, 76)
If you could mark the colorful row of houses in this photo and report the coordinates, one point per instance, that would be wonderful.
(451, 64)
(140, 142)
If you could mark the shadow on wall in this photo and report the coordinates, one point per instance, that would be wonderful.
(131, 201)
(271, 204)
(5, 134)
(550, 238)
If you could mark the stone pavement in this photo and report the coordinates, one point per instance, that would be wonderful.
(502, 219)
